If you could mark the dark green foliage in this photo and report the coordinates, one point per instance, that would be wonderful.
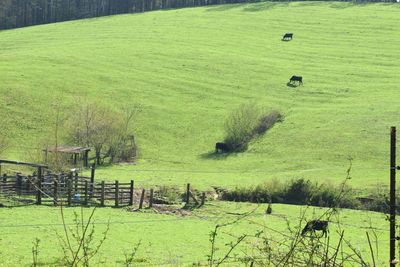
(18, 13)
(298, 191)
(246, 123)
(266, 122)
(168, 195)
(110, 133)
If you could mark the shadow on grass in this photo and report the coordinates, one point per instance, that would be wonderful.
(291, 85)
(342, 5)
(254, 6)
(224, 7)
(262, 6)
(215, 156)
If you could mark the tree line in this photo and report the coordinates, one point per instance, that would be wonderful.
(21, 13)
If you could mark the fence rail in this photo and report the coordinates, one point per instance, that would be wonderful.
(74, 189)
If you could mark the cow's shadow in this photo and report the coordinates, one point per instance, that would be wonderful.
(292, 85)
(212, 155)
(286, 40)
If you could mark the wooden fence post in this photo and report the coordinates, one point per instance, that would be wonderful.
(131, 193)
(141, 199)
(69, 188)
(392, 217)
(76, 181)
(29, 184)
(151, 198)
(103, 193)
(39, 187)
(86, 158)
(203, 198)
(187, 193)
(55, 193)
(18, 183)
(116, 193)
(86, 192)
(69, 191)
(93, 168)
(194, 198)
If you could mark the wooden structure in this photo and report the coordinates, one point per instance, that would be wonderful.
(71, 188)
(39, 167)
(75, 151)
(39, 174)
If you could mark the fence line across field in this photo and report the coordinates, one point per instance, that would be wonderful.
(204, 218)
(76, 189)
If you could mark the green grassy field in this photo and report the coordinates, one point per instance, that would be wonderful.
(190, 68)
(170, 239)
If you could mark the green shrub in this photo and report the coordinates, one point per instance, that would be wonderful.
(247, 123)
(239, 125)
(168, 195)
(297, 191)
(266, 122)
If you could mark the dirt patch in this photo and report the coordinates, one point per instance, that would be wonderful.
(167, 209)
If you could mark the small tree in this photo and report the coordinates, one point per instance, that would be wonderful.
(246, 123)
(122, 145)
(239, 126)
(109, 132)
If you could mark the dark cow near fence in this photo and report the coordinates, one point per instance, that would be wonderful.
(287, 37)
(221, 147)
(316, 225)
(295, 79)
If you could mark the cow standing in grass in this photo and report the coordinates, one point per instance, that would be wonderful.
(316, 225)
(287, 37)
(295, 79)
(221, 147)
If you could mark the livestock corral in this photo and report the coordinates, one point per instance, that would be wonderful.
(45, 187)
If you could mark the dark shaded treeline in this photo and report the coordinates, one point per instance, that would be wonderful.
(20, 13)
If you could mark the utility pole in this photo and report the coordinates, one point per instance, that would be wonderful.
(392, 217)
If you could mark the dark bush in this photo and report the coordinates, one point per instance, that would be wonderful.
(266, 122)
(247, 123)
(297, 191)
(305, 192)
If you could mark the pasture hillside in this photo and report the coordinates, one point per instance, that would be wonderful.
(190, 68)
(168, 240)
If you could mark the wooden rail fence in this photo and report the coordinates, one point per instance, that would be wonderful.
(74, 189)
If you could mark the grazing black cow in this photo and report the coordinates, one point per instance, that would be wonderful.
(316, 225)
(295, 79)
(221, 147)
(287, 37)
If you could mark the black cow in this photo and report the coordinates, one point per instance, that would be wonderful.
(316, 225)
(295, 79)
(221, 147)
(287, 37)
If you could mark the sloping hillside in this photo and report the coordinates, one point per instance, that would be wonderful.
(189, 68)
